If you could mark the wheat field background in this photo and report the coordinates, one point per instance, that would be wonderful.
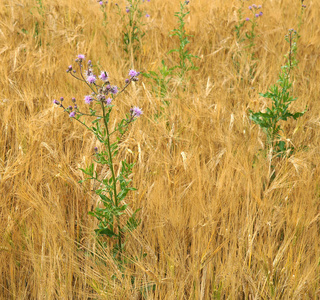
(210, 227)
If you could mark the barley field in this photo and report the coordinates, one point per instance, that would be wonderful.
(219, 219)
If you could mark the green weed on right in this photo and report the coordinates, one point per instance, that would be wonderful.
(280, 94)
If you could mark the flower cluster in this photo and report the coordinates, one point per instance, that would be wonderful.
(255, 10)
(103, 93)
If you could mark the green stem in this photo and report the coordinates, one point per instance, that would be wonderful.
(113, 177)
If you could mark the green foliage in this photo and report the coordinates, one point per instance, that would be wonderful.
(279, 94)
(185, 63)
(161, 79)
(132, 32)
(114, 219)
(246, 38)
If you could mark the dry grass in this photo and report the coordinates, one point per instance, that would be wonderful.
(209, 228)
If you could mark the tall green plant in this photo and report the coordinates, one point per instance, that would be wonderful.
(185, 63)
(280, 95)
(161, 79)
(114, 220)
(133, 27)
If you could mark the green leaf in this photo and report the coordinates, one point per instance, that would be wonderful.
(105, 231)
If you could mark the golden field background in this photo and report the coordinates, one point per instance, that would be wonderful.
(209, 228)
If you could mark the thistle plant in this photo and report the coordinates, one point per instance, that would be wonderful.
(280, 94)
(185, 58)
(133, 32)
(247, 37)
(114, 220)
(303, 7)
(165, 73)
(251, 34)
(103, 8)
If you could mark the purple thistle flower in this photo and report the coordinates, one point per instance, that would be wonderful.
(127, 81)
(91, 79)
(127, 10)
(257, 15)
(133, 73)
(88, 99)
(56, 102)
(81, 56)
(254, 6)
(108, 101)
(104, 76)
(114, 90)
(259, 6)
(136, 111)
(247, 19)
(73, 100)
(95, 149)
(101, 2)
(69, 107)
(147, 15)
(260, 13)
(61, 98)
(72, 114)
(250, 7)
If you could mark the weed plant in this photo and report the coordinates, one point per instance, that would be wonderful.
(112, 189)
(161, 79)
(270, 121)
(246, 38)
(133, 22)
